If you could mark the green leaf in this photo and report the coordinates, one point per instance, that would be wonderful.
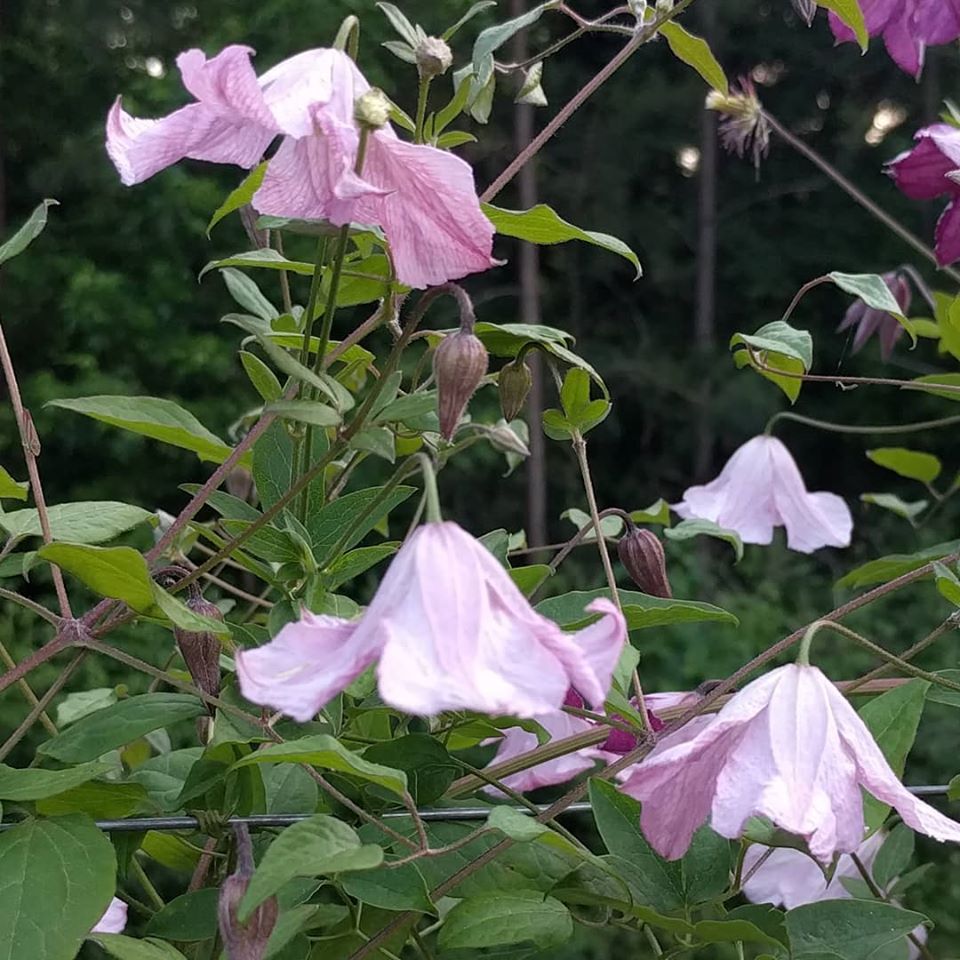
(780, 346)
(178, 613)
(869, 287)
(524, 829)
(893, 718)
(85, 522)
(687, 529)
(33, 784)
(496, 920)
(912, 464)
(890, 501)
(289, 789)
(930, 383)
(895, 565)
(491, 39)
(163, 777)
(12, 489)
(305, 411)
(400, 23)
(267, 258)
(240, 196)
(947, 583)
(28, 232)
(324, 751)
(408, 407)
(640, 610)
(657, 512)
(953, 788)
(243, 289)
(189, 917)
(427, 765)
(894, 856)
(847, 929)
(272, 463)
(391, 888)
(354, 562)
(320, 845)
(127, 948)
(328, 524)
(152, 417)
(543, 225)
(404, 52)
(264, 380)
(120, 724)
(56, 880)
(117, 572)
(99, 799)
(81, 702)
(695, 52)
(730, 931)
(379, 441)
(850, 13)
(469, 15)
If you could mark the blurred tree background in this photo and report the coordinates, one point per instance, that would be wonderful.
(107, 301)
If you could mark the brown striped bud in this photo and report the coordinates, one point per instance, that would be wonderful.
(246, 940)
(459, 364)
(514, 384)
(641, 554)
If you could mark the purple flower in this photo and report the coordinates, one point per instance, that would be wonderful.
(423, 198)
(761, 488)
(868, 320)
(114, 919)
(928, 171)
(788, 747)
(451, 631)
(908, 27)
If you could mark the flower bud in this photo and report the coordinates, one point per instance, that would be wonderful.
(641, 554)
(248, 940)
(459, 364)
(514, 384)
(806, 9)
(372, 109)
(434, 57)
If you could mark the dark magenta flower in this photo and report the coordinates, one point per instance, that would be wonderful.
(869, 321)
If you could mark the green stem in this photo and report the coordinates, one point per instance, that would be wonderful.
(430, 488)
(653, 941)
(423, 94)
(32, 606)
(890, 428)
(148, 888)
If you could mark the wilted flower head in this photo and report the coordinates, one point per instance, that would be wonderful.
(247, 940)
(869, 321)
(806, 10)
(908, 27)
(114, 919)
(928, 171)
(452, 632)
(788, 747)
(744, 129)
(761, 488)
(434, 57)
(422, 197)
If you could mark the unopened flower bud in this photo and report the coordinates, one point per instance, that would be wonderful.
(434, 57)
(372, 109)
(459, 364)
(806, 9)
(514, 384)
(247, 940)
(641, 554)
(503, 437)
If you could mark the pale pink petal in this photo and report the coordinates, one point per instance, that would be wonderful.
(948, 234)
(431, 217)
(306, 665)
(921, 172)
(227, 84)
(879, 779)
(115, 918)
(140, 148)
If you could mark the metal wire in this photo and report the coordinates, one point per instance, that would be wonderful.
(263, 820)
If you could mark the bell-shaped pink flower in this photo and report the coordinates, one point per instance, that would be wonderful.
(929, 170)
(114, 919)
(451, 631)
(869, 320)
(761, 488)
(908, 27)
(788, 747)
(423, 198)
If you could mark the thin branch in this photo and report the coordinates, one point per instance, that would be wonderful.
(28, 693)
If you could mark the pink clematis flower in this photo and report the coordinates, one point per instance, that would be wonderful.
(908, 27)
(869, 321)
(788, 747)
(929, 170)
(115, 918)
(761, 488)
(451, 631)
(423, 198)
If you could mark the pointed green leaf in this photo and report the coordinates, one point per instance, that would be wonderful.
(912, 464)
(33, 784)
(872, 289)
(501, 919)
(12, 489)
(850, 13)
(265, 259)
(696, 52)
(117, 572)
(847, 929)
(687, 529)
(240, 196)
(84, 522)
(28, 232)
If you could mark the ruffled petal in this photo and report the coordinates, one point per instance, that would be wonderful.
(431, 217)
(876, 775)
(305, 666)
(921, 172)
(948, 235)
(227, 84)
(114, 920)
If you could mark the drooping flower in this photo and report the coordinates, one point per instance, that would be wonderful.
(761, 488)
(927, 171)
(744, 129)
(908, 27)
(422, 197)
(788, 747)
(114, 919)
(451, 631)
(869, 320)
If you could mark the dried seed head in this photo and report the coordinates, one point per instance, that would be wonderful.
(459, 364)
(434, 57)
(641, 554)
(514, 385)
(248, 940)
(743, 129)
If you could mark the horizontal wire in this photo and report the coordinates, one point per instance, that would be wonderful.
(263, 820)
